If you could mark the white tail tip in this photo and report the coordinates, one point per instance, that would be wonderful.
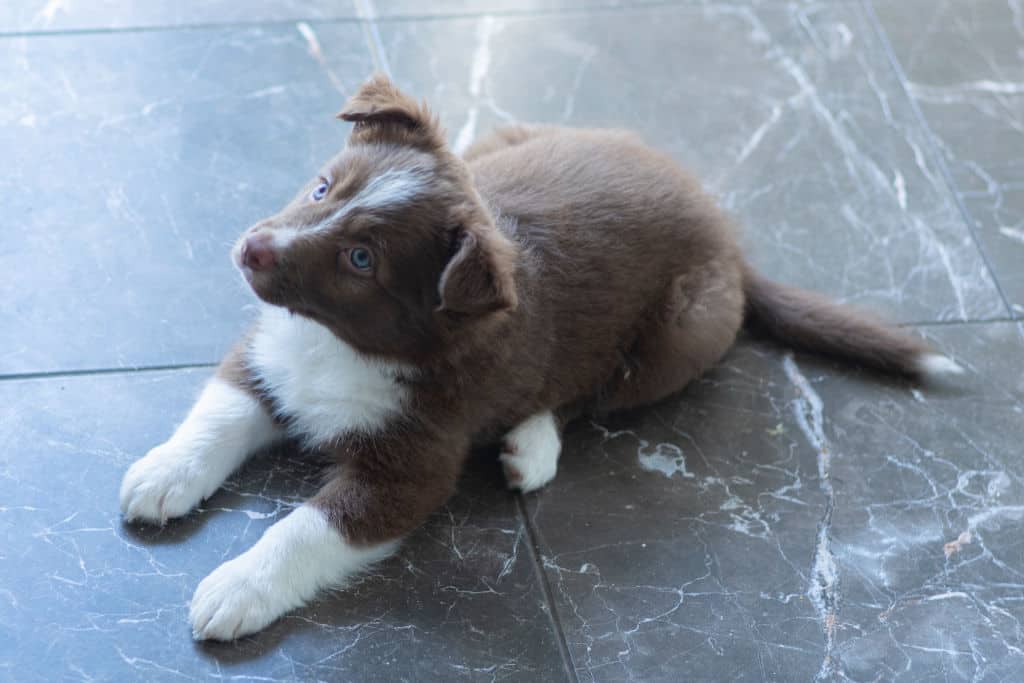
(935, 366)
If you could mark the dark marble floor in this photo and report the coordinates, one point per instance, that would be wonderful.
(782, 519)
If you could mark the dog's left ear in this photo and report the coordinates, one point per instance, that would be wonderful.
(480, 276)
(384, 113)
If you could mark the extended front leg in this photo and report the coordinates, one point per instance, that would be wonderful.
(385, 489)
(224, 427)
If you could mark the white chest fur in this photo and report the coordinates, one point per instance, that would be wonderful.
(324, 386)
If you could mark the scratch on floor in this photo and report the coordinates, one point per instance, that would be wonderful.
(481, 65)
(313, 45)
(823, 590)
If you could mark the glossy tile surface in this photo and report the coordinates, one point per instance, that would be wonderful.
(133, 161)
(800, 125)
(964, 62)
(84, 595)
(782, 519)
(49, 15)
(38, 16)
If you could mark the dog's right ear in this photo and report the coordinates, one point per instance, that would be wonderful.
(479, 277)
(383, 113)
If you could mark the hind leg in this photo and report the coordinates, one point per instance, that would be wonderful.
(687, 332)
(530, 453)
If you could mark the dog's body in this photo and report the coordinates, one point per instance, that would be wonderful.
(416, 304)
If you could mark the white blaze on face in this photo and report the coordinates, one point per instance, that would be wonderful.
(391, 188)
(283, 237)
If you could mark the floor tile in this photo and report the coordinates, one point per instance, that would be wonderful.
(999, 222)
(132, 162)
(84, 597)
(965, 65)
(413, 8)
(792, 114)
(785, 518)
(965, 68)
(60, 15)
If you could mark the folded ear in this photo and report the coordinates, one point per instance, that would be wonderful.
(479, 278)
(382, 112)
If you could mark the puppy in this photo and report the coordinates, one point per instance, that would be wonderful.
(415, 303)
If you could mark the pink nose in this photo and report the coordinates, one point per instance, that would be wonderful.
(258, 252)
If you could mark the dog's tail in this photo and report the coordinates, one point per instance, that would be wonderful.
(810, 322)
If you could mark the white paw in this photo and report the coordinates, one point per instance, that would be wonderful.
(236, 599)
(293, 560)
(530, 458)
(166, 483)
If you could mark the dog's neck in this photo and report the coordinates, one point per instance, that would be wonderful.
(320, 385)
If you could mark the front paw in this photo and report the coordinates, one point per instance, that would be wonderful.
(166, 483)
(236, 599)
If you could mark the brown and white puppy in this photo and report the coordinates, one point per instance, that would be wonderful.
(415, 303)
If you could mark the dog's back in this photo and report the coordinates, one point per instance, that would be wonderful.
(619, 245)
(613, 234)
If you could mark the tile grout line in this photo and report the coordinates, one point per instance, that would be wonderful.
(132, 369)
(549, 595)
(57, 374)
(228, 24)
(940, 161)
(168, 28)
(356, 19)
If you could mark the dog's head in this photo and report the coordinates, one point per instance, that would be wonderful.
(389, 246)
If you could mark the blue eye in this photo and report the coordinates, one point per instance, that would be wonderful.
(321, 190)
(360, 258)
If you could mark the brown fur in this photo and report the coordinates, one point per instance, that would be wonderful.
(553, 269)
(810, 322)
